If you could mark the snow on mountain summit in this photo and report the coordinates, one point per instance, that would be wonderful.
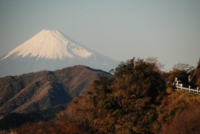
(51, 50)
(49, 44)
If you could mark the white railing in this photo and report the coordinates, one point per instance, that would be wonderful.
(188, 89)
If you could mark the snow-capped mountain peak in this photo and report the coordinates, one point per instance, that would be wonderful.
(49, 44)
(51, 50)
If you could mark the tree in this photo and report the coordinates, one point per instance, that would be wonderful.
(180, 71)
(195, 76)
(126, 103)
(155, 62)
(184, 67)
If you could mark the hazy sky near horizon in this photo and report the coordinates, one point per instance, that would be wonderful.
(119, 29)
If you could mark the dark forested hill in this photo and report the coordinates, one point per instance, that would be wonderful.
(45, 89)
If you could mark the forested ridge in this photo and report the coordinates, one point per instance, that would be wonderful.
(137, 100)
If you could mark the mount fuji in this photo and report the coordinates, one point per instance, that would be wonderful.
(51, 50)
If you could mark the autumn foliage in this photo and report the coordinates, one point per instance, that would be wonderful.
(124, 104)
(134, 101)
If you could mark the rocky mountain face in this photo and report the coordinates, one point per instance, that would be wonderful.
(51, 50)
(45, 89)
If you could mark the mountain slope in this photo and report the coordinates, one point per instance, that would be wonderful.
(51, 50)
(39, 91)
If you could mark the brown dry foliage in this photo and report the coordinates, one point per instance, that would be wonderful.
(3, 132)
(125, 104)
(61, 126)
(174, 107)
(188, 122)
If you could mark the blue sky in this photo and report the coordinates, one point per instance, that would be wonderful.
(119, 29)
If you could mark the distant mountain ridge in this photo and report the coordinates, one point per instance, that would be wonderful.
(51, 50)
(45, 89)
